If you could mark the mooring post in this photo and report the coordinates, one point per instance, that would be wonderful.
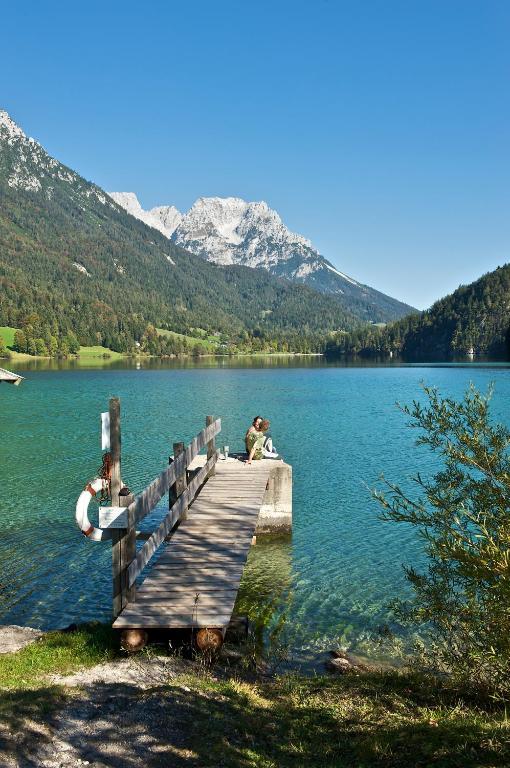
(178, 488)
(211, 445)
(119, 534)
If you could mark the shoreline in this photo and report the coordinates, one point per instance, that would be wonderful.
(73, 698)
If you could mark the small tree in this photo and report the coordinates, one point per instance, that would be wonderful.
(462, 598)
(3, 349)
(20, 341)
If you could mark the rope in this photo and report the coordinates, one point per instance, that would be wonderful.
(105, 473)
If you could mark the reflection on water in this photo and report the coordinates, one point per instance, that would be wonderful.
(161, 364)
(266, 590)
(245, 361)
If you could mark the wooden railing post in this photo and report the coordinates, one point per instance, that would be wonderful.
(178, 488)
(211, 445)
(115, 449)
(127, 552)
(115, 484)
(123, 539)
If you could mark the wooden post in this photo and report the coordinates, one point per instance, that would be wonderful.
(127, 552)
(114, 408)
(211, 445)
(119, 534)
(178, 488)
(209, 641)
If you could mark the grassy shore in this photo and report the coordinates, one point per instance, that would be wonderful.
(232, 717)
(98, 355)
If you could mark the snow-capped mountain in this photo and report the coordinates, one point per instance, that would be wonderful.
(232, 231)
(165, 219)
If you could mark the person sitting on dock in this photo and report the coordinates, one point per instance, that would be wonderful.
(252, 430)
(259, 446)
(255, 441)
(269, 449)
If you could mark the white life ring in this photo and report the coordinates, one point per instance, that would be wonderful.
(82, 519)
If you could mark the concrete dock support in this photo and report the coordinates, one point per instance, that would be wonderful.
(276, 512)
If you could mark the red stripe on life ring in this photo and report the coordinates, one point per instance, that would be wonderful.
(89, 488)
(88, 531)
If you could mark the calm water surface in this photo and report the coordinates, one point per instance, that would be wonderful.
(339, 428)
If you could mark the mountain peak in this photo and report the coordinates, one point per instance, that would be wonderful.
(230, 230)
(164, 218)
(9, 128)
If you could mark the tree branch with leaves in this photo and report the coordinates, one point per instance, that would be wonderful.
(461, 599)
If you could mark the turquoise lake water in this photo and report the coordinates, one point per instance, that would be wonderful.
(338, 426)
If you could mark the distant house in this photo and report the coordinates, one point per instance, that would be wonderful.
(10, 378)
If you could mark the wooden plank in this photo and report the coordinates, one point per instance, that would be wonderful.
(203, 568)
(183, 599)
(211, 558)
(204, 556)
(156, 611)
(219, 534)
(203, 580)
(176, 621)
(200, 549)
(173, 572)
(178, 545)
(176, 588)
(184, 592)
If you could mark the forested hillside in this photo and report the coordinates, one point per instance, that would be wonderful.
(475, 319)
(75, 260)
(71, 260)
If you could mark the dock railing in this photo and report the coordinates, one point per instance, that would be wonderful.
(176, 480)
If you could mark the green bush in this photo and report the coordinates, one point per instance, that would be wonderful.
(461, 599)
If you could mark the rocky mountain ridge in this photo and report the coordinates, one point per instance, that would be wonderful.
(230, 231)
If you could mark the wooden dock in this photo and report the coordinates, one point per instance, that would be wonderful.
(194, 583)
(197, 554)
(10, 378)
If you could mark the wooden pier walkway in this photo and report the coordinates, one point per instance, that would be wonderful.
(199, 550)
(194, 583)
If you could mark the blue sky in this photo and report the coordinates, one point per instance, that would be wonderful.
(378, 129)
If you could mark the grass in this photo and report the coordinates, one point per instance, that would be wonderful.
(375, 719)
(56, 652)
(382, 719)
(87, 354)
(91, 353)
(7, 334)
(208, 343)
